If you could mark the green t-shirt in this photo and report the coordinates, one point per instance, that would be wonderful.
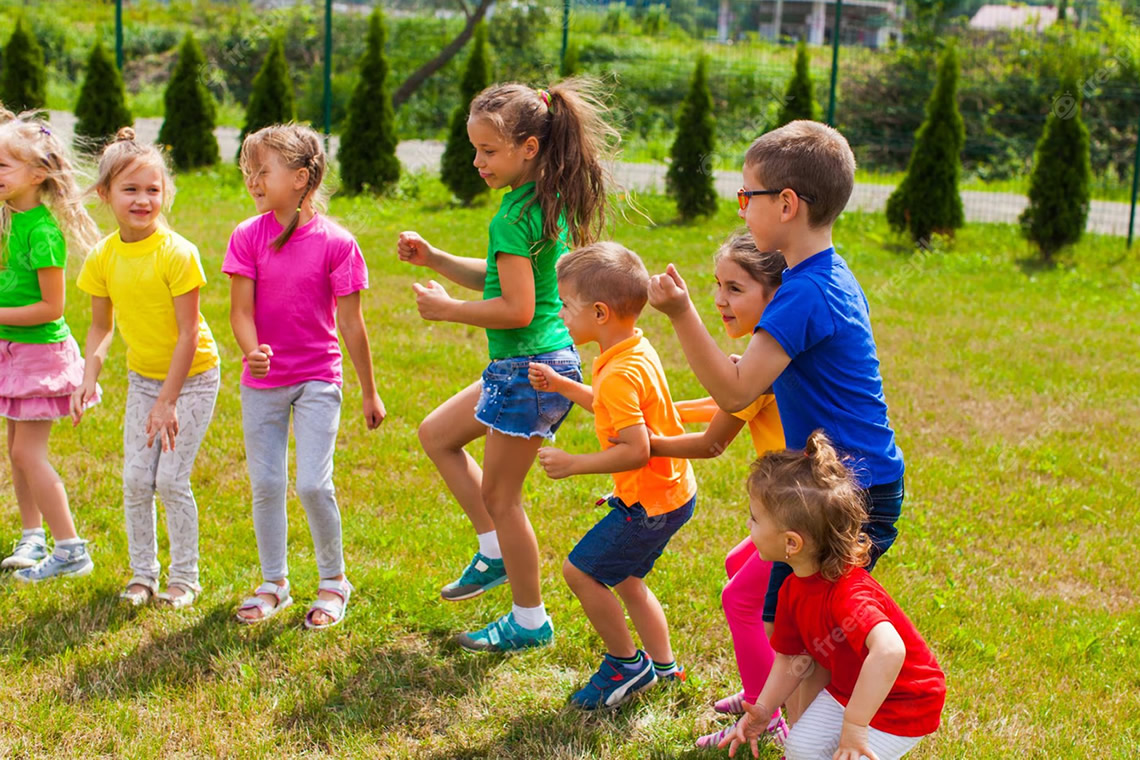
(516, 231)
(34, 242)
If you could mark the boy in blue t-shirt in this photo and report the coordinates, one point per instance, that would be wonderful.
(814, 346)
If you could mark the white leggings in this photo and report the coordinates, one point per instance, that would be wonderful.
(815, 736)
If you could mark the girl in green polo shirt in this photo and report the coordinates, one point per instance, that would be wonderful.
(547, 147)
(40, 362)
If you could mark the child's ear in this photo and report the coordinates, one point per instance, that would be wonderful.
(602, 312)
(791, 205)
(793, 543)
(301, 179)
(530, 147)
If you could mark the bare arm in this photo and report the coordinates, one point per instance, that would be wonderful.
(48, 309)
(631, 452)
(785, 676)
(462, 270)
(706, 445)
(350, 318)
(98, 344)
(512, 310)
(885, 655)
(544, 378)
(241, 313)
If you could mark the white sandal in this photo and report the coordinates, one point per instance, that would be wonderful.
(180, 601)
(268, 610)
(334, 608)
(139, 598)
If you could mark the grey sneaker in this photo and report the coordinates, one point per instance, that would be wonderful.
(64, 561)
(29, 550)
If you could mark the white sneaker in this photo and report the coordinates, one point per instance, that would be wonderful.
(29, 550)
(73, 561)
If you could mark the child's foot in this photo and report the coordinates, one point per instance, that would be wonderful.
(673, 672)
(71, 559)
(179, 595)
(331, 604)
(29, 550)
(269, 599)
(615, 683)
(776, 733)
(482, 573)
(139, 591)
(733, 705)
(506, 635)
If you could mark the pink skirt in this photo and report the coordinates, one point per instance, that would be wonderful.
(37, 379)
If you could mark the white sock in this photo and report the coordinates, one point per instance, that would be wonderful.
(34, 533)
(70, 542)
(529, 617)
(489, 546)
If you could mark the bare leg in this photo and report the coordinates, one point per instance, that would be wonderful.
(29, 513)
(507, 460)
(443, 434)
(603, 609)
(30, 457)
(806, 693)
(648, 618)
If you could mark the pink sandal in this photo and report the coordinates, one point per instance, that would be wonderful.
(334, 608)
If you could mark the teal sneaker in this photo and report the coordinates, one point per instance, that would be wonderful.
(505, 635)
(483, 573)
(70, 561)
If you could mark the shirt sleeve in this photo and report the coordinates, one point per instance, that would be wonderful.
(619, 394)
(349, 271)
(857, 612)
(239, 259)
(513, 233)
(46, 247)
(786, 637)
(749, 412)
(798, 317)
(92, 279)
(183, 269)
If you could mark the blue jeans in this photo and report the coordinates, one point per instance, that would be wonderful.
(627, 542)
(509, 404)
(884, 505)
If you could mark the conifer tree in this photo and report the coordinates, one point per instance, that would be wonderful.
(271, 101)
(190, 111)
(368, 146)
(23, 81)
(799, 98)
(102, 107)
(690, 178)
(927, 200)
(1059, 185)
(457, 167)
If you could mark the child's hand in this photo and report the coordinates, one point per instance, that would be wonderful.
(543, 378)
(374, 411)
(433, 301)
(413, 249)
(163, 424)
(853, 743)
(668, 292)
(557, 463)
(258, 361)
(80, 398)
(747, 730)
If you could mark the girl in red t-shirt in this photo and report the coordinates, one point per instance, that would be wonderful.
(886, 689)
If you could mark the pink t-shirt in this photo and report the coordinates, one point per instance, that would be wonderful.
(294, 293)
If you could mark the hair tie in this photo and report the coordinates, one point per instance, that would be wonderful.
(45, 131)
(545, 96)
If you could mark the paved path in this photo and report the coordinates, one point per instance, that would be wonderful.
(1105, 217)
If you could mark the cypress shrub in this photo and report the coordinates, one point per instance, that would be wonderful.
(799, 98)
(102, 107)
(1059, 185)
(927, 200)
(190, 111)
(23, 82)
(457, 167)
(690, 176)
(368, 146)
(271, 101)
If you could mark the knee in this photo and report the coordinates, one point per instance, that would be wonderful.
(171, 488)
(431, 436)
(138, 484)
(24, 458)
(314, 491)
(498, 502)
(574, 577)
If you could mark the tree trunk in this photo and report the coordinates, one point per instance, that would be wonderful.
(420, 75)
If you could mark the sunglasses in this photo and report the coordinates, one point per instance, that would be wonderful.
(743, 196)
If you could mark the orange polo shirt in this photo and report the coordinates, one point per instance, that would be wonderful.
(630, 389)
(762, 416)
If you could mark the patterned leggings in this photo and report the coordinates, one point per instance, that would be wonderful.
(147, 470)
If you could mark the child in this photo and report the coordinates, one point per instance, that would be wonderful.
(546, 146)
(294, 276)
(147, 278)
(813, 345)
(886, 690)
(40, 362)
(603, 290)
(746, 280)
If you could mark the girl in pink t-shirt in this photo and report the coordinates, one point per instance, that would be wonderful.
(294, 276)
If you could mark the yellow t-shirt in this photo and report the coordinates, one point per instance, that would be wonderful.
(762, 416)
(142, 280)
(630, 389)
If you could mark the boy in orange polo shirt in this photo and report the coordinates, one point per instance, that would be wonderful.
(604, 287)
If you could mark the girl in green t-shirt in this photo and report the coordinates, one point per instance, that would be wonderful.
(547, 147)
(40, 362)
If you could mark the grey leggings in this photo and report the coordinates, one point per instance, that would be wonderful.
(147, 470)
(265, 420)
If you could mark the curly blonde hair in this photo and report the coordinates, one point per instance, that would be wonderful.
(299, 147)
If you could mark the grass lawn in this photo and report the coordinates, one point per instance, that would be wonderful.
(1014, 391)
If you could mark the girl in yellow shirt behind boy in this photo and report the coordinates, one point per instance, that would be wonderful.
(149, 276)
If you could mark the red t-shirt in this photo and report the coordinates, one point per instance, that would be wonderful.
(830, 621)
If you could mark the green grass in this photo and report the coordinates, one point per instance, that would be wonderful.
(1013, 389)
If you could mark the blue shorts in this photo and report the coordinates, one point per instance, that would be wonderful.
(509, 404)
(884, 505)
(626, 542)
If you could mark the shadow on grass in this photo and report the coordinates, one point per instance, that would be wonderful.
(56, 629)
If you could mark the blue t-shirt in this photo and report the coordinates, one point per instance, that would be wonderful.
(820, 317)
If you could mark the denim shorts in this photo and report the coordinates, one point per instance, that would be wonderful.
(626, 542)
(509, 404)
(884, 505)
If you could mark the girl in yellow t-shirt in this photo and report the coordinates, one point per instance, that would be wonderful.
(746, 280)
(147, 277)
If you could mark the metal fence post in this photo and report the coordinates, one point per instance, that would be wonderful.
(1135, 187)
(328, 72)
(565, 30)
(834, 62)
(119, 34)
